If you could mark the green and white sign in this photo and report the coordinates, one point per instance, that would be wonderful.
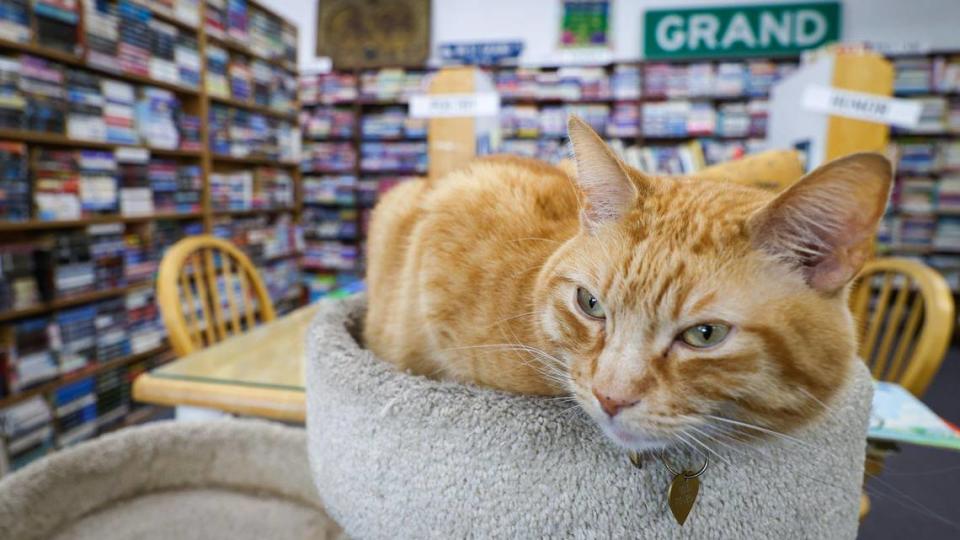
(736, 32)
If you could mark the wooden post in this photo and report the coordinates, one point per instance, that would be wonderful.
(453, 141)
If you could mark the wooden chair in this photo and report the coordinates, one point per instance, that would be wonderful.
(208, 290)
(900, 344)
(903, 344)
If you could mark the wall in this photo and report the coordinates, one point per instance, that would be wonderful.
(931, 23)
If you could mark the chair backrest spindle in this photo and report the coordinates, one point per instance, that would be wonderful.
(199, 299)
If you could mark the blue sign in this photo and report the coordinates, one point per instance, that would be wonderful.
(487, 53)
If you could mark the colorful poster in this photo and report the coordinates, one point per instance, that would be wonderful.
(585, 24)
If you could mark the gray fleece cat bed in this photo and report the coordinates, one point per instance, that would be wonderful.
(236, 479)
(401, 456)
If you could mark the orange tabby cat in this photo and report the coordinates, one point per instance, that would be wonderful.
(661, 304)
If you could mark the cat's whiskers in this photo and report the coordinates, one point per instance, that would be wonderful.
(707, 448)
(715, 439)
(759, 428)
(507, 319)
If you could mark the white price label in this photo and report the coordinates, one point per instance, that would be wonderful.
(455, 105)
(862, 106)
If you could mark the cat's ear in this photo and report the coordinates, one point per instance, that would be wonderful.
(824, 224)
(601, 175)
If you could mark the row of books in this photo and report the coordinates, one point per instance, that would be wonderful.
(327, 88)
(618, 82)
(327, 122)
(240, 133)
(265, 34)
(15, 21)
(569, 83)
(101, 257)
(938, 115)
(124, 36)
(392, 123)
(263, 187)
(552, 150)
(394, 156)
(328, 157)
(346, 190)
(75, 184)
(234, 76)
(752, 78)
(919, 232)
(37, 350)
(391, 84)
(927, 75)
(271, 246)
(330, 256)
(529, 121)
(74, 412)
(927, 195)
(702, 119)
(185, 11)
(15, 193)
(39, 95)
(324, 223)
(925, 156)
(54, 24)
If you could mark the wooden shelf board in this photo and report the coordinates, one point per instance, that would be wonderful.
(86, 371)
(170, 18)
(70, 301)
(929, 135)
(252, 107)
(232, 45)
(79, 61)
(59, 139)
(328, 138)
(684, 138)
(224, 158)
(335, 103)
(52, 225)
(252, 211)
(398, 172)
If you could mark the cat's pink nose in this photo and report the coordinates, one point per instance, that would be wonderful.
(610, 405)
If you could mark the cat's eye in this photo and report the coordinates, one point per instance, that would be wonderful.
(589, 304)
(706, 335)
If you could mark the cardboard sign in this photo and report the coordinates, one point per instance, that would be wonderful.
(739, 31)
(862, 106)
(455, 105)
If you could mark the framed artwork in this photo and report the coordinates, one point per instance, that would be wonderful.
(585, 24)
(374, 33)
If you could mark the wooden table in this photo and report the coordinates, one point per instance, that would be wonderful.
(259, 373)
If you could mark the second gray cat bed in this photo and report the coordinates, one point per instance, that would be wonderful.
(401, 456)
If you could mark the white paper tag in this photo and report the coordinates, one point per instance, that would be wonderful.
(455, 105)
(862, 106)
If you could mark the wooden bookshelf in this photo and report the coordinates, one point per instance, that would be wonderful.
(253, 107)
(40, 138)
(252, 160)
(70, 301)
(78, 61)
(194, 101)
(86, 371)
(36, 225)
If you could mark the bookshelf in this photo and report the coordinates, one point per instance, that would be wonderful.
(124, 126)
(352, 120)
(923, 219)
